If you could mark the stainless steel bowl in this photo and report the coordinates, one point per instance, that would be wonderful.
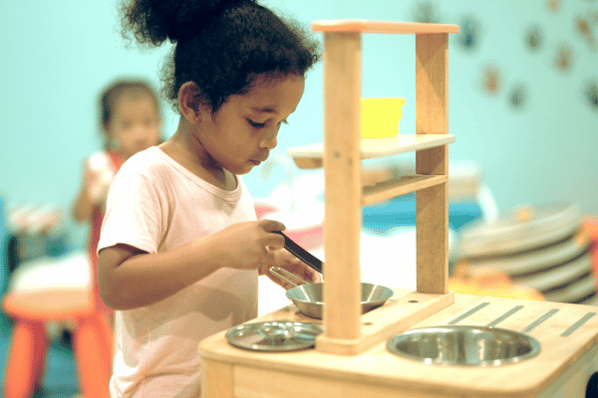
(309, 300)
(464, 346)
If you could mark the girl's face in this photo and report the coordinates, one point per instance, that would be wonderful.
(241, 134)
(135, 124)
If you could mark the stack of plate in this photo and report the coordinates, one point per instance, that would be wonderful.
(544, 248)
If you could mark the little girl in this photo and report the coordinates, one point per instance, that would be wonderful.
(181, 249)
(130, 122)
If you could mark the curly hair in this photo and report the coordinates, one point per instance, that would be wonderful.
(220, 45)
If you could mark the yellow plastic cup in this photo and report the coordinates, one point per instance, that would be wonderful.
(380, 117)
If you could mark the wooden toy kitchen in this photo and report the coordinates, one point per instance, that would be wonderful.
(424, 343)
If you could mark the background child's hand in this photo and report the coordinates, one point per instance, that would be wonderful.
(97, 178)
(283, 259)
(98, 173)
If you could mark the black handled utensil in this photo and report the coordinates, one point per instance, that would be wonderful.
(301, 253)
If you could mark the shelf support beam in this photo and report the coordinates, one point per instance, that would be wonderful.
(431, 83)
(431, 109)
(342, 195)
(386, 190)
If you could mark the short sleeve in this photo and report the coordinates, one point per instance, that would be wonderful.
(133, 211)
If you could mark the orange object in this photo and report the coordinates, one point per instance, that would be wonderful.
(590, 225)
(92, 340)
(524, 214)
(487, 281)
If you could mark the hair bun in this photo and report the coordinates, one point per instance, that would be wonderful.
(156, 21)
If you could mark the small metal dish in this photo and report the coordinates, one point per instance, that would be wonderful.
(464, 346)
(274, 336)
(309, 297)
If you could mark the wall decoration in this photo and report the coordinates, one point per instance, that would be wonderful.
(563, 58)
(534, 38)
(469, 33)
(590, 92)
(583, 27)
(426, 12)
(518, 96)
(491, 79)
(553, 5)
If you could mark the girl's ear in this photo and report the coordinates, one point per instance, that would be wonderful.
(190, 103)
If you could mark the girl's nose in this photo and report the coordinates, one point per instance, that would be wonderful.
(270, 141)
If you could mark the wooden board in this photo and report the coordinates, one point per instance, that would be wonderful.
(310, 156)
(431, 117)
(342, 181)
(387, 27)
(397, 315)
(391, 188)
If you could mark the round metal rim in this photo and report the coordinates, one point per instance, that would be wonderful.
(535, 347)
(305, 330)
(387, 290)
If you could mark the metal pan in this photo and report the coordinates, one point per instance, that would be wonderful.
(309, 300)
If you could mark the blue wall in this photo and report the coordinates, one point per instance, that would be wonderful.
(57, 56)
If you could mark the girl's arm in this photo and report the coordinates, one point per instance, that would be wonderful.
(130, 278)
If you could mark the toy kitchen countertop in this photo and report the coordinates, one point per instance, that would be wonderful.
(568, 356)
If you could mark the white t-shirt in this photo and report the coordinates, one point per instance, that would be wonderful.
(157, 205)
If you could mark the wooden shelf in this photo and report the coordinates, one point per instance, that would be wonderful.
(389, 189)
(310, 156)
(385, 27)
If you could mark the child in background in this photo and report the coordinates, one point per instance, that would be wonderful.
(130, 122)
(181, 248)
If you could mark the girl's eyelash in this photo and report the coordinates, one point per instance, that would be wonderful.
(259, 125)
(255, 124)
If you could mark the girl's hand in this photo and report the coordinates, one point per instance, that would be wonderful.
(247, 245)
(283, 259)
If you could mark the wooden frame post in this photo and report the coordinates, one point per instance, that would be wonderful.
(431, 109)
(342, 195)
